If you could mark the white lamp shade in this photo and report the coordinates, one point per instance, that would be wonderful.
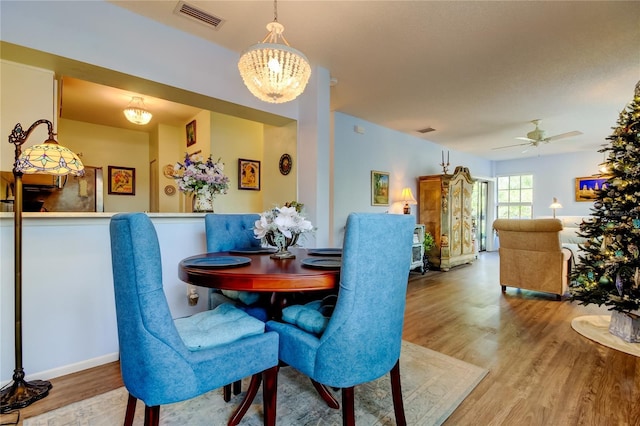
(555, 204)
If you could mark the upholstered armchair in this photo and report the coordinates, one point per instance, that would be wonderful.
(363, 336)
(531, 256)
(164, 360)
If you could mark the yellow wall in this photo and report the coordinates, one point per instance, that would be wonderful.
(279, 188)
(103, 146)
(171, 149)
(27, 95)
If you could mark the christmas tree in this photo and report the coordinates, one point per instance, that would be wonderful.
(608, 272)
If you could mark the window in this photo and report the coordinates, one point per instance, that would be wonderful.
(515, 197)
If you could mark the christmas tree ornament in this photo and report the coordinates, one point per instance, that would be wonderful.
(619, 284)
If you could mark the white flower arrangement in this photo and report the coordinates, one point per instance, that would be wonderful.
(198, 176)
(282, 225)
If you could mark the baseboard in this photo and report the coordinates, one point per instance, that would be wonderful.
(71, 368)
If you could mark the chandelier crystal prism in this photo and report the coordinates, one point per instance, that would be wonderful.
(136, 111)
(272, 71)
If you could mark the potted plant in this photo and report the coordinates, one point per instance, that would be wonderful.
(427, 243)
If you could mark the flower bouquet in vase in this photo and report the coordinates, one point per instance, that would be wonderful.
(281, 227)
(202, 179)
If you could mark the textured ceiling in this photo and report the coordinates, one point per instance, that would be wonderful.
(476, 71)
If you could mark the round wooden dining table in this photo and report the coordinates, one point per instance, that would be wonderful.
(261, 274)
(264, 274)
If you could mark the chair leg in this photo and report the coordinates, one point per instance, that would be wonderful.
(270, 395)
(226, 390)
(237, 387)
(152, 415)
(348, 407)
(396, 391)
(131, 410)
(325, 394)
(504, 288)
(254, 384)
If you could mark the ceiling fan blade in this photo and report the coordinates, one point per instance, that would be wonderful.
(563, 135)
(522, 138)
(511, 146)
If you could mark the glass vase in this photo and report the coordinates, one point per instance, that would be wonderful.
(202, 202)
(282, 243)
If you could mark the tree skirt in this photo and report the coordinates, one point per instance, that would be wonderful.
(596, 328)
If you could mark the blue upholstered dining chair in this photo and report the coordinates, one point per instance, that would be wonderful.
(164, 360)
(227, 232)
(362, 339)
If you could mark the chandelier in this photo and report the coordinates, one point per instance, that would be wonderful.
(136, 111)
(272, 71)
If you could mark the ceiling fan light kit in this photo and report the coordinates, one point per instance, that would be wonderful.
(272, 71)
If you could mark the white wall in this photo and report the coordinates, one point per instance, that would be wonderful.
(405, 158)
(554, 176)
(68, 303)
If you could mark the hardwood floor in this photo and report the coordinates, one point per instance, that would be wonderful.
(541, 372)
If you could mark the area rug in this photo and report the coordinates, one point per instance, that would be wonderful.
(433, 385)
(596, 328)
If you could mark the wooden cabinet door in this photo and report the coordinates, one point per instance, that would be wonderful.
(456, 188)
(467, 219)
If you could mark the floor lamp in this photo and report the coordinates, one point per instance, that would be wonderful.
(46, 158)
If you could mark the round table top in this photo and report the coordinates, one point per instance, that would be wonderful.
(262, 274)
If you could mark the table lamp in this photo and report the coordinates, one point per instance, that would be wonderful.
(555, 205)
(46, 158)
(407, 198)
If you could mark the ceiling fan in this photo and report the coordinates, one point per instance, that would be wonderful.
(537, 137)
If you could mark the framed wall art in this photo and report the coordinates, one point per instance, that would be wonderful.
(379, 188)
(248, 174)
(191, 133)
(586, 187)
(122, 180)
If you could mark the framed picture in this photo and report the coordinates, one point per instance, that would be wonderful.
(122, 180)
(248, 174)
(379, 188)
(191, 133)
(586, 187)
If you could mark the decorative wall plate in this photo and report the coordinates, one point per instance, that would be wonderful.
(168, 171)
(170, 190)
(285, 164)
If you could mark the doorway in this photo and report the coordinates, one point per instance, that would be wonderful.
(479, 207)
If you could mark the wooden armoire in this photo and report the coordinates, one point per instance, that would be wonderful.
(445, 210)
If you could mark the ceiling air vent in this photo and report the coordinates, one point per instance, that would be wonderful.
(192, 12)
(426, 130)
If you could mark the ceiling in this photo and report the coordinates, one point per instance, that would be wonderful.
(477, 72)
